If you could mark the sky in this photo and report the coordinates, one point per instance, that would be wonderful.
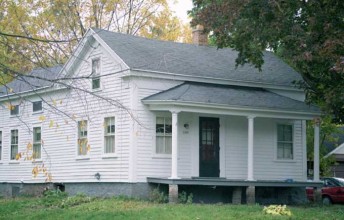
(180, 7)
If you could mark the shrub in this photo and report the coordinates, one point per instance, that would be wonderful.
(75, 200)
(277, 210)
(157, 197)
(53, 197)
(184, 198)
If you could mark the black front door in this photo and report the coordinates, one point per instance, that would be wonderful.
(209, 147)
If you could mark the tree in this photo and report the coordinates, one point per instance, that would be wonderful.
(309, 35)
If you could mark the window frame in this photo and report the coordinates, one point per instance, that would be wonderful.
(15, 115)
(37, 111)
(114, 154)
(86, 155)
(96, 75)
(292, 142)
(33, 143)
(164, 154)
(14, 144)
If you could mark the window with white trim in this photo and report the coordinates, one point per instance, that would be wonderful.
(109, 135)
(0, 145)
(285, 141)
(95, 74)
(37, 143)
(14, 144)
(82, 138)
(14, 110)
(163, 135)
(37, 106)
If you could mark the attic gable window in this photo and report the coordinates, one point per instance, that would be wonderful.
(95, 74)
(14, 110)
(285, 141)
(37, 106)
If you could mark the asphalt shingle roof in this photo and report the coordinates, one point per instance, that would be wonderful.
(28, 83)
(231, 96)
(193, 60)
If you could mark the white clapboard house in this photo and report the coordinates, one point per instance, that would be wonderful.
(126, 114)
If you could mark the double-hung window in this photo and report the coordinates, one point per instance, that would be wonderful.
(285, 141)
(0, 145)
(109, 135)
(37, 106)
(82, 137)
(163, 135)
(37, 143)
(14, 110)
(95, 74)
(14, 144)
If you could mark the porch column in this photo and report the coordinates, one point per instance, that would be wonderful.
(174, 173)
(316, 150)
(250, 148)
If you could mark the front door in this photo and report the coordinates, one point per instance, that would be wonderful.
(209, 147)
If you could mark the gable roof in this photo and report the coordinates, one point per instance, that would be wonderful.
(32, 82)
(193, 60)
(231, 96)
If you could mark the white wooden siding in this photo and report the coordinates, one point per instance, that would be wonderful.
(60, 143)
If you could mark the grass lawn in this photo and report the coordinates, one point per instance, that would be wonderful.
(116, 208)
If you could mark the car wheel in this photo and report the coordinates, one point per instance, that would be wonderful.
(326, 201)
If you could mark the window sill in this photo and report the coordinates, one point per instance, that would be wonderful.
(37, 161)
(13, 162)
(109, 156)
(14, 116)
(284, 161)
(97, 90)
(37, 113)
(86, 157)
(162, 156)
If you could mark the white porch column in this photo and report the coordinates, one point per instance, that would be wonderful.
(174, 172)
(316, 150)
(250, 148)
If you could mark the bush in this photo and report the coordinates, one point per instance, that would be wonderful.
(277, 210)
(75, 200)
(53, 197)
(184, 198)
(157, 197)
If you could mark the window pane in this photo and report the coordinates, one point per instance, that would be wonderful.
(288, 151)
(82, 144)
(288, 135)
(96, 83)
(159, 145)
(37, 134)
(14, 109)
(168, 145)
(163, 135)
(280, 132)
(37, 106)
(110, 144)
(160, 125)
(280, 152)
(36, 151)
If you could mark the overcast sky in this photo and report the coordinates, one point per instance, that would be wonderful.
(181, 7)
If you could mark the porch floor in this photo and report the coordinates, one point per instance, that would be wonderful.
(232, 182)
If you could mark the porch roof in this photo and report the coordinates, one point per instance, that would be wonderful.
(232, 182)
(229, 97)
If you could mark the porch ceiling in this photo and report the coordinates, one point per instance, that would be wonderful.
(230, 182)
(242, 99)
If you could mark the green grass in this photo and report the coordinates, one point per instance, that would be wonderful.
(116, 208)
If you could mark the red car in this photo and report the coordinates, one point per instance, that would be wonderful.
(332, 191)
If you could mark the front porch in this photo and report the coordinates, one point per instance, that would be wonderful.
(239, 191)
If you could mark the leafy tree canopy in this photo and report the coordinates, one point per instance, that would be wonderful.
(308, 34)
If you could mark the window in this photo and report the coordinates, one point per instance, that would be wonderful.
(82, 137)
(37, 106)
(14, 144)
(0, 145)
(14, 109)
(37, 144)
(95, 74)
(284, 141)
(109, 135)
(163, 135)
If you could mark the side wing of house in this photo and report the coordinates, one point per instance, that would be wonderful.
(81, 134)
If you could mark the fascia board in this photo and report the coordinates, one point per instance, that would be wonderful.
(230, 110)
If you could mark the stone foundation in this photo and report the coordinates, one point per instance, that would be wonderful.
(135, 190)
